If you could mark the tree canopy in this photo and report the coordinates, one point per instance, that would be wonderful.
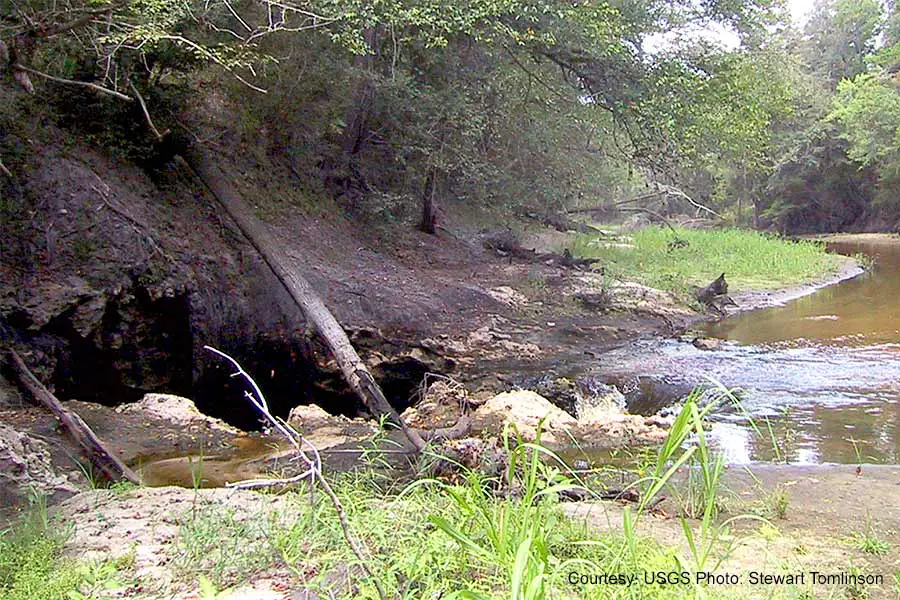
(506, 103)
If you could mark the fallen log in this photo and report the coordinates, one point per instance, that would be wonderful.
(111, 467)
(317, 314)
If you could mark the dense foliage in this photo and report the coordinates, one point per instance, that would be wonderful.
(515, 105)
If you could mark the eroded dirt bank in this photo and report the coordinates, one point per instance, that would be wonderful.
(126, 277)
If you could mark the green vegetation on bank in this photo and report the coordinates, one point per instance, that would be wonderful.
(749, 259)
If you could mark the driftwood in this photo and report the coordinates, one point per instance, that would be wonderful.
(111, 467)
(309, 456)
(317, 314)
(655, 215)
(566, 259)
(663, 191)
(715, 295)
(564, 224)
(460, 429)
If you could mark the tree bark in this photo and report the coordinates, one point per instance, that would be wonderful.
(315, 311)
(111, 467)
(429, 206)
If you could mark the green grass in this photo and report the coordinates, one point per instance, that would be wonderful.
(750, 260)
(32, 566)
(869, 542)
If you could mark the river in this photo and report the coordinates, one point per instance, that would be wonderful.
(820, 375)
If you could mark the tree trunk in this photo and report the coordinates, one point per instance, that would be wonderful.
(315, 311)
(105, 462)
(429, 206)
(363, 97)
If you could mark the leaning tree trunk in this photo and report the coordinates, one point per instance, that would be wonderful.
(315, 311)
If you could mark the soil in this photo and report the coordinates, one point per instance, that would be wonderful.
(827, 509)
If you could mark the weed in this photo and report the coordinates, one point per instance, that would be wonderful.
(868, 541)
(779, 501)
(32, 566)
(856, 590)
(225, 546)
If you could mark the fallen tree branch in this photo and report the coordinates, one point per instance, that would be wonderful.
(307, 300)
(313, 463)
(4, 170)
(90, 444)
(608, 207)
(653, 213)
(87, 84)
(680, 194)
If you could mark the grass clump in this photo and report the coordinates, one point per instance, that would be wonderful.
(32, 566)
(483, 538)
(750, 259)
(869, 542)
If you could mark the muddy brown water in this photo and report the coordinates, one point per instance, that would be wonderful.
(820, 375)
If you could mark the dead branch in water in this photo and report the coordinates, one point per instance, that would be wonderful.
(96, 451)
(310, 456)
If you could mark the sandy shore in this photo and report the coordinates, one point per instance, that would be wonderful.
(754, 299)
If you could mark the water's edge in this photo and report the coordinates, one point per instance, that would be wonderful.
(759, 299)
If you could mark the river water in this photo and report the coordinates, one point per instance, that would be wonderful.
(820, 376)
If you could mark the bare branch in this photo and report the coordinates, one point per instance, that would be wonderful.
(4, 170)
(87, 84)
(680, 194)
(314, 469)
(159, 136)
(194, 45)
(84, 19)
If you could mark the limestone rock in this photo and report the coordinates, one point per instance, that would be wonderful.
(309, 416)
(706, 343)
(601, 401)
(442, 406)
(523, 409)
(181, 412)
(26, 468)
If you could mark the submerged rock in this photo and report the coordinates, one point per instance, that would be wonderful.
(702, 343)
